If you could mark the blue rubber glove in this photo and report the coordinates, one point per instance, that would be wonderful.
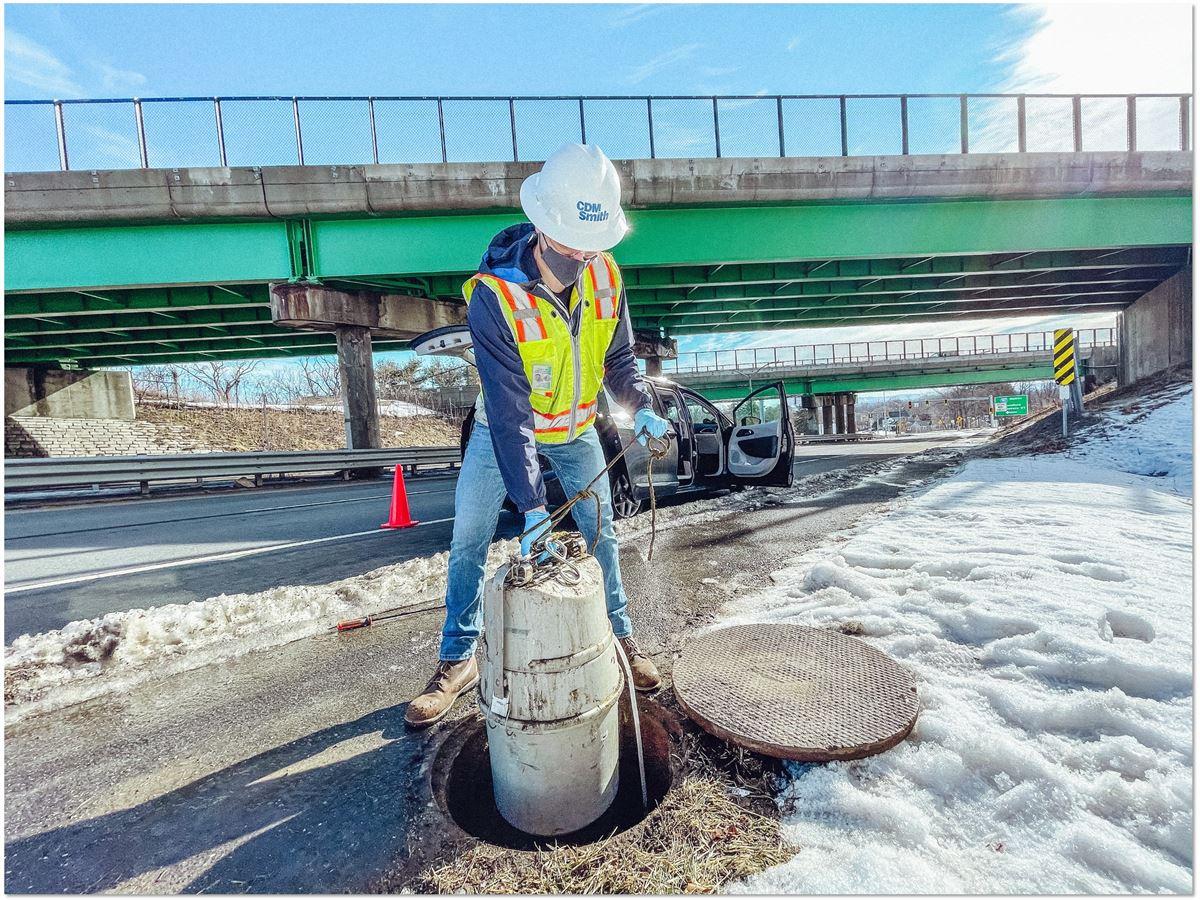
(646, 419)
(532, 518)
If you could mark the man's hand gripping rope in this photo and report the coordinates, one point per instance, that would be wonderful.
(554, 556)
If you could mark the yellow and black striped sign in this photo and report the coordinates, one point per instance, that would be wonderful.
(1064, 355)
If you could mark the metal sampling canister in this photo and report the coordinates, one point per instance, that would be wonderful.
(548, 692)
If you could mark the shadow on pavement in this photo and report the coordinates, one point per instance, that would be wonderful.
(341, 818)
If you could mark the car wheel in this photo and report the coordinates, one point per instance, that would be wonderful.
(624, 503)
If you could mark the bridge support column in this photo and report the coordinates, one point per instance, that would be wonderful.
(851, 424)
(654, 348)
(356, 371)
(826, 415)
(806, 417)
(353, 317)
(839, 415)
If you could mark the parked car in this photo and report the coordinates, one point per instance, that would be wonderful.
(711, 450)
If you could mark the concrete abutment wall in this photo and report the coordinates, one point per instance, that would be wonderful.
(42, 392)
(1156, 330)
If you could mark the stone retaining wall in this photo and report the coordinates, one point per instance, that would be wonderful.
(28, 436)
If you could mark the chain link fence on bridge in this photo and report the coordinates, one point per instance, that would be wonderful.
(171, 132)
(766, 358)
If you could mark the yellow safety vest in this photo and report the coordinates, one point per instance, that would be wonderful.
(565, 374)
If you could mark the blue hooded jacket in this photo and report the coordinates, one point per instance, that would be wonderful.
(506, 409)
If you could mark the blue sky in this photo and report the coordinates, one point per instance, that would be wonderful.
(126, 50)
(178, 49)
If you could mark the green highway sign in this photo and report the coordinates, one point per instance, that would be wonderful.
(1011, 406)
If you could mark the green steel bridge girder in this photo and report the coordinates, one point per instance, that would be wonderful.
(641, 281)
(126, 295)
(257, 252)
(884, 382)
(177, 304)
(286, 343)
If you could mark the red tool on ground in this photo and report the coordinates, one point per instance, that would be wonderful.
(398, 515)
(396, 612)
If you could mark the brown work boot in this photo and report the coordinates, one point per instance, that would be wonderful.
(645, 675)
(449, 681)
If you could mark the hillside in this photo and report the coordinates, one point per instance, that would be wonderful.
(246, 429)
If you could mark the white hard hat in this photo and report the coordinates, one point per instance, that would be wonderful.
(576, 199)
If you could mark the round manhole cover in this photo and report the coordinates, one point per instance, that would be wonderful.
(795, 692)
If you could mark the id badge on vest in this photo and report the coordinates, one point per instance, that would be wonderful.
(542, 377)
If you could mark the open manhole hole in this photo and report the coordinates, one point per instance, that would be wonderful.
(462, 782)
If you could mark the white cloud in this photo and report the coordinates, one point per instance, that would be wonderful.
(115, 79)
(717, 71)
(1105, 48)
(664, 60)
(121, 150)
(627, 15)
(1092, 49)
(739, 104)
(29, 63)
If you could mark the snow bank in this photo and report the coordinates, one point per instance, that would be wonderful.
(1045, 605)
(1152, 439)
(112, 653)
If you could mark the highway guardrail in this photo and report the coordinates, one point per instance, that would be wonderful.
(60, 472)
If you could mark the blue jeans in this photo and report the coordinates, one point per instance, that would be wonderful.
(477, 501)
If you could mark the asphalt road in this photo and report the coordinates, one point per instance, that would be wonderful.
(65, 563)
(290, 770)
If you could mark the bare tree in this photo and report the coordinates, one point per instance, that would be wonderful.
(320, 374)
(398, 381)
(1042, 394)
(222, 378)
(283, 386)
(450, 375)
(160, 382)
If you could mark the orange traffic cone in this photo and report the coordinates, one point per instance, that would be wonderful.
(398, 516)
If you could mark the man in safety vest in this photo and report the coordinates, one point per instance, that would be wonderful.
(550, 328)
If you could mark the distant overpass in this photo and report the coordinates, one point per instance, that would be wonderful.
(880, 365)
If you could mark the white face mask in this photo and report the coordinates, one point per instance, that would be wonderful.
(565, 268)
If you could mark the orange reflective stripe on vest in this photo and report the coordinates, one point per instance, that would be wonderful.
(525, 312)
(560, 422)
(606, 289)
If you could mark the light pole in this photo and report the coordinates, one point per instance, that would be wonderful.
(750, 377)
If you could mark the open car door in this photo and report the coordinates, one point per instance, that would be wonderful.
(762, 445)
(449, 340)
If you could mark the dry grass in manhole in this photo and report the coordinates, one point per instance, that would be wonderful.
(716, 824)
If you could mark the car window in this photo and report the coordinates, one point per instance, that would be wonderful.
(766, 407)
(670, 406)
(704, 418)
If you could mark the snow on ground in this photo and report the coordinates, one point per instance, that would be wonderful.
(89, 658)
(1044, 603)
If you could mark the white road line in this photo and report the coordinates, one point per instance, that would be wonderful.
(197, 560)
(221, 515)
